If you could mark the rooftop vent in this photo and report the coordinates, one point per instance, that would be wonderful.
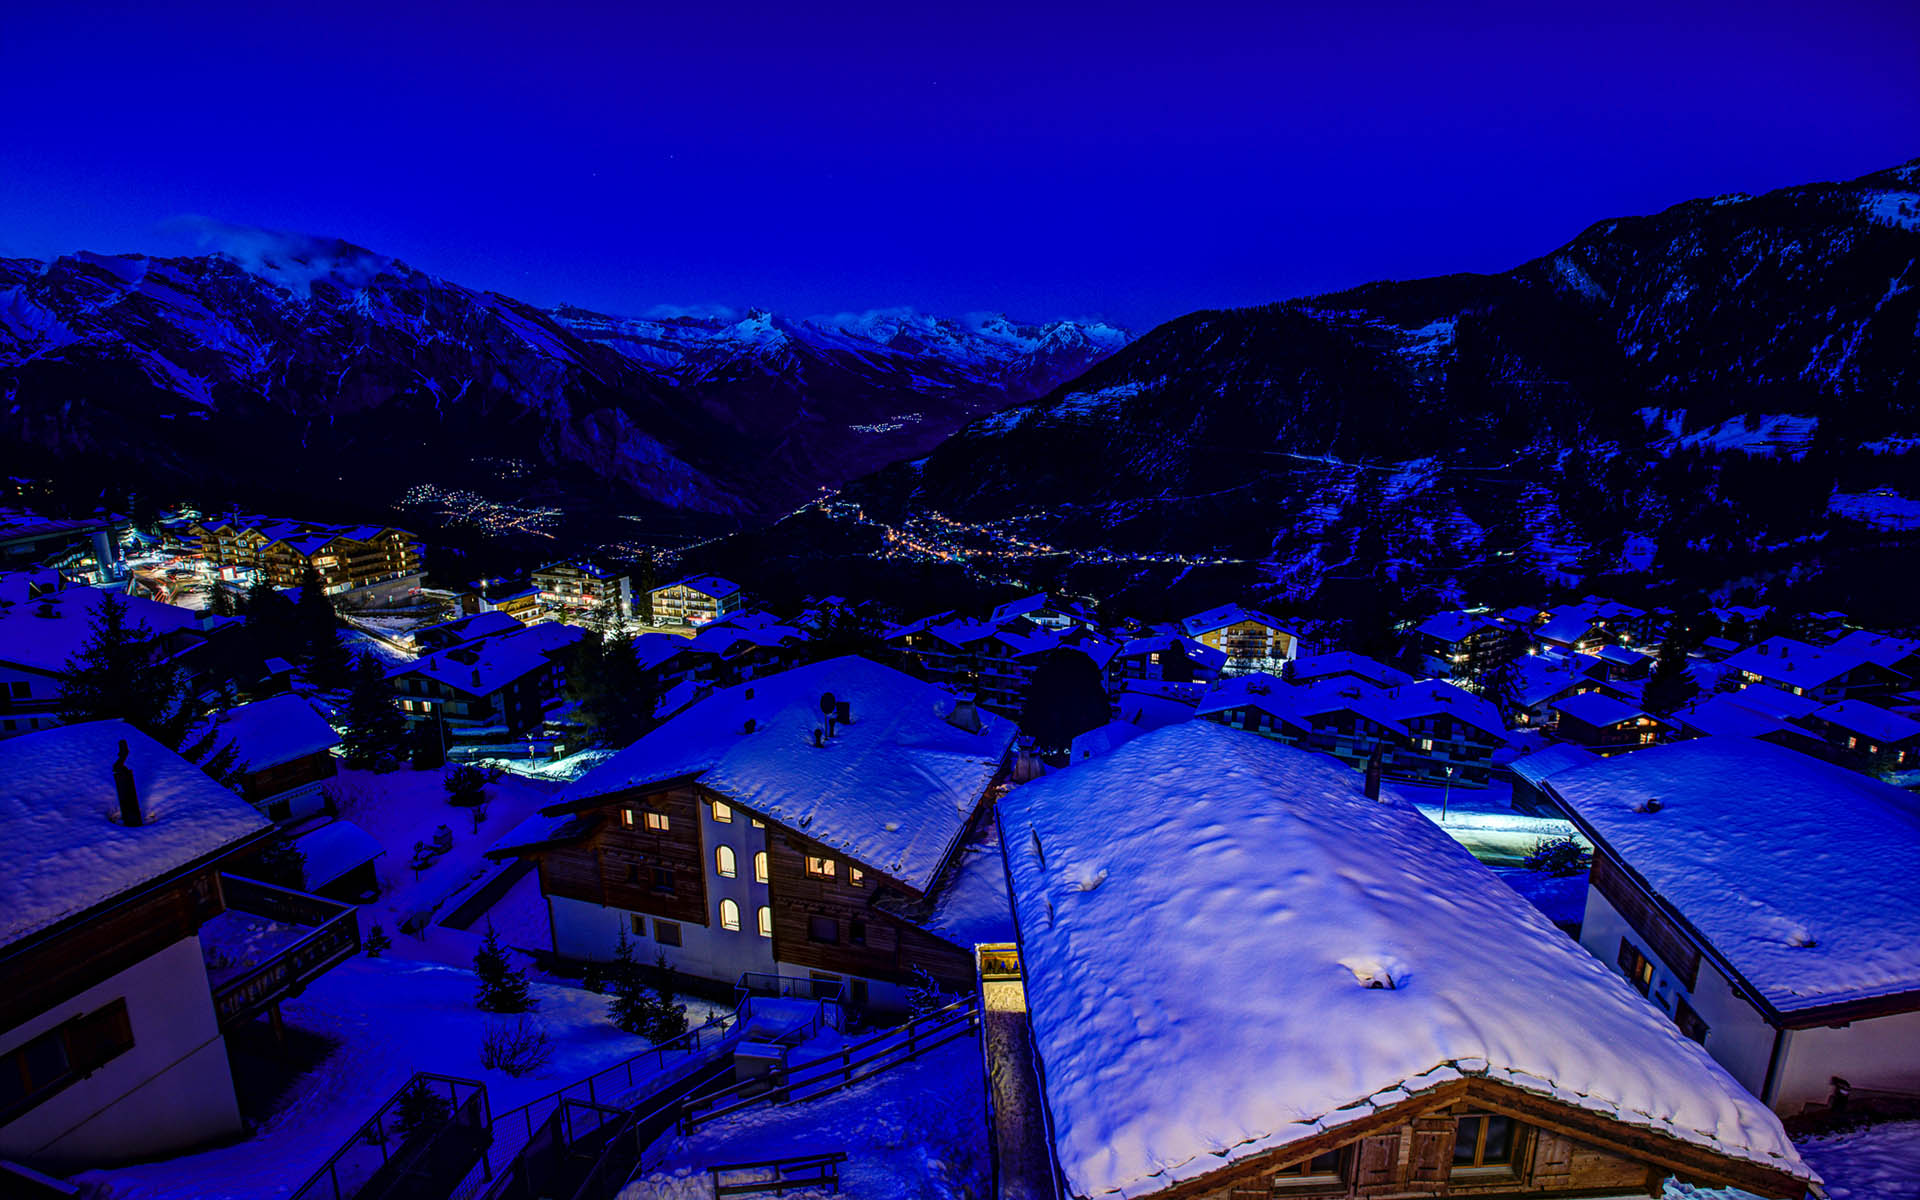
(749, 727)
(1652, 804)
(129, 794)
(966, 715)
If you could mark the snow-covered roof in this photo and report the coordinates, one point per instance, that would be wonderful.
(1773, 702)
(1597, 709)
(1567, 628)
(45, 642)
(1551, 760)
(1622, 656)
(480, 668)
(1257, 690)
(1455, 626)
(1198, 653)
(1346, 662)
(60, 821)
(1796, 663)
(267, 733)
(1876, 647)
(706, 585)
(892, 789)
(1797, 872)
(1725, 716)
(1225, 615)
(1857, 716)
(334, 849)
(1199, 970)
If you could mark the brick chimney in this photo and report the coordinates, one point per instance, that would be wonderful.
(130, 814)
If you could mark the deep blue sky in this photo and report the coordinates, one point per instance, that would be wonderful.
(1047, 160)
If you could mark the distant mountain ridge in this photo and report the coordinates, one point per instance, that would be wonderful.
(1662, 388)
(307, 364)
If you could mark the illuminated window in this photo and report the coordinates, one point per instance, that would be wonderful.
(1484, 1140)
(723, 862)
(1638, 970)
(766, 921)
(856, 877)
(626, 818)
(729, 915)
(722, 812)
(657, 821)
(760, 867)
(821, 867)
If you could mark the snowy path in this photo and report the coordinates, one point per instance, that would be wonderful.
(1024, 1162)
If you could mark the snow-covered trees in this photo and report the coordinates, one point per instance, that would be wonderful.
(613, 698)
(503, 986)
(639, 1006)
(116, 675)
(375, 728)
(466, 784)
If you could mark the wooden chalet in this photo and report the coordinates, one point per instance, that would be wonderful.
(283, 752)
(1292, 1013)
(802, 823)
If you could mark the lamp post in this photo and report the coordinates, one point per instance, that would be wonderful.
(1445, 795)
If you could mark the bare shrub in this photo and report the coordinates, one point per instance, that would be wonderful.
(518, 1047)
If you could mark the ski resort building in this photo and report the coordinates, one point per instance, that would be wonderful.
(1452, 644)
(1764, 899)
(578, 589)
(801, 824)
(1241, 990)
(1047, 613)
(348, 558)
(1251, 640)
(697, 600)
(127, 954)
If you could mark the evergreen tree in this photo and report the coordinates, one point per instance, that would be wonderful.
(376, 942)
(116, 675)
(425, 750)
(1065, 699)
(421, 1111)
(223, 602)
(503, 986)
(466, 784)
(375, 728)
(318, 630)
(281, 863)
(272, 621)
(631, 1006)
(643, 589)
(669, 1017)
(613, 698)
(1670, 686)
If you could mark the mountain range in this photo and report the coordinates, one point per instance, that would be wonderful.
(1726, 390)
(316, 373)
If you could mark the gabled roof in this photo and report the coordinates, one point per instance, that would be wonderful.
(1246, 963)
(1456, 626)
(893, 789)
(1725, 716)
(60, 821)
(1225, 615)
(1600, 711)
(279, 729)
(706, 585)
(1798, 664)
(1549, 761)
(1857, 716)
(481, 668)
(1345, 662)
(1198, 653)
(1876, 647)
(334, 849)
(1797, 872)
(45, 643)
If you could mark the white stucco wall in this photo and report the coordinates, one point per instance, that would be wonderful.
(171, 1091)
(1881, 1054)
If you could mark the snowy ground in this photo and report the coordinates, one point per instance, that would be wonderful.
(1878, 1162)
(915, 1132)
(392, 1017)
(1483, 819)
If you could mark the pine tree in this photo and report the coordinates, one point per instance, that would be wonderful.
(1670, 686)
(223, 602)
(376, 942)
(613, 698)
(272, 621)
(421, 1110)
(669, 1017)
(115, 675)
(375, 728)
(282, 864)
(328, 663)
(631, 1006)
(503, 986)
(643, 589)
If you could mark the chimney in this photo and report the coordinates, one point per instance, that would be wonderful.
(844, 712)
(130, 814)
(1372, 786)
(476, 677)
(966, 715)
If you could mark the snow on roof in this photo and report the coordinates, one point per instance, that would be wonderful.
(1857, 716)
(1198, 653)
(1725, 716)
(653, 649)
(473, 626)
(1455, 626)
(1597, 709)
(1225, 615)
(45, 643)
(892, 789)
(1020, 607)
(1346, 662)
(1199, 970)
(60, 821)
(706, 585)
(1787, 660)
(1567, 628)
(1797, 872)
(1620, 656)
(1773, 702)
(267, 733)
(334, 849)
(1548, 761)
(479, 668)
(1258, 690)
(1876, 647)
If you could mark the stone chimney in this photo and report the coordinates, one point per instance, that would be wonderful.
(130, 814)
(966, 715)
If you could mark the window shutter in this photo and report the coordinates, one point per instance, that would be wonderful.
(1432, 1149)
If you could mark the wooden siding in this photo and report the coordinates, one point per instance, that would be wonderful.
(284, 777)
(614, 865)
(1672, 944)
(892, 948)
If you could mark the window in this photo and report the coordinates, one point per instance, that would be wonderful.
(723, 862)
(667, 933)
(765, 916)
(821, 867)
(1689, 1021)
(857, 991)
(657, 821)
(639, 925)
(857, 932)
(1634, 964)
(856, 877)
(663, 880)
(823, 929)
(760, 866)
(1321, 1168)
(757, 822)
(723, 812)
(626, 818)
(729, 915)
(61, 1056)
(1483, 1140)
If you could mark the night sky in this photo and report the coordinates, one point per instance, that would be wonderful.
(1131, 162)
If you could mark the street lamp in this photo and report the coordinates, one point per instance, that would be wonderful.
(1446, 794)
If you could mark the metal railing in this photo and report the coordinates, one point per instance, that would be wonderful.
(335, 938)
(384, 1144)
(784, 1174)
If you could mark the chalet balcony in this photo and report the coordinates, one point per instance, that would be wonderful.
(269, 943)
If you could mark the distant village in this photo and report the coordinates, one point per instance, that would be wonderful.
(323, 882)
